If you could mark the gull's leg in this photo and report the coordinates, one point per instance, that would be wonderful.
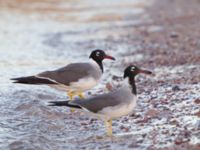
(81, 95)
(108, 124)
(71, 95)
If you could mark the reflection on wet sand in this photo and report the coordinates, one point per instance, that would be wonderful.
(75, 11)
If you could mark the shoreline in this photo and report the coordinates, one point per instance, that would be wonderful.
(164, 38)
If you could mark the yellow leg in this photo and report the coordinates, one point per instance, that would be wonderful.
(109, 127)
(71, 95)
(81, 95)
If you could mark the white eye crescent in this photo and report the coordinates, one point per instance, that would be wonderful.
(132, 68)
(97, 53)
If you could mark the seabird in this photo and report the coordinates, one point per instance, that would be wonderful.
(114, 104)
(74, 78)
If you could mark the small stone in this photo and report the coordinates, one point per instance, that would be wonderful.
(173, 134)
(109, 86)
(197, 125)
(176, 88)
(125, 129)
(197, 113)
(84, 123)
(165, 132)
(133, 145)
(179, 141)
(197, 101)
(135, 115)
(144, 135)
(89, 93)
(93, 120)
(99, 137)
(104, 147)
(174, 122)
(152, 113)
(173, 35)
(116, 78)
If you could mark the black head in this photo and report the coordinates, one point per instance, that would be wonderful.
(99, 55)
(132, 70)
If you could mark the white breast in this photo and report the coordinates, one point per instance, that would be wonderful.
(118, 110)
(79, 86)
(84, 84)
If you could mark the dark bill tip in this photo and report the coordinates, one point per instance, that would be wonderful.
(109, 57)
(145, 72)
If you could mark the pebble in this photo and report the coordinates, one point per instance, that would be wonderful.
(197, 125)
(117, 78)
(99, 137)
(173, 35)
(133, 145)
(125, 129)
(176, 88)
(197, 101)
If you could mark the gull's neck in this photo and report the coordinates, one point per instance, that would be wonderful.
(97, 63)
(130, 82)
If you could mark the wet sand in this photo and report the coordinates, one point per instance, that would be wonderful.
(162, 36)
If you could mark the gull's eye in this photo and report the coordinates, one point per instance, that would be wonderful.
(132, 68)
(97, 53)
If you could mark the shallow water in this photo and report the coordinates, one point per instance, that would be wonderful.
(37, 36)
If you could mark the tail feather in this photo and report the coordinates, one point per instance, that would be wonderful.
(63, 103)
(32, 80)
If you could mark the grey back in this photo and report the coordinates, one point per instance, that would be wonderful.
(72, 73)
(97, 103)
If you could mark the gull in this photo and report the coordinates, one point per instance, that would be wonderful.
(112, 105)
(74, 78)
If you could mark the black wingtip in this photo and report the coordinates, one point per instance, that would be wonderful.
(52, 103)
(63, 103)
(14, 78)
(32, 80)
(21, 82)
(16, 82)
(58, 103)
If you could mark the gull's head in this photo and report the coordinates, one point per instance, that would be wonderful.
(132, 71)
(100, 55)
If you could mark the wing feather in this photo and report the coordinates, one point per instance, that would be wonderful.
(68, 74)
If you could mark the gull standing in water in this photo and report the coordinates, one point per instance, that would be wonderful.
(112, 105)
(74, 78)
